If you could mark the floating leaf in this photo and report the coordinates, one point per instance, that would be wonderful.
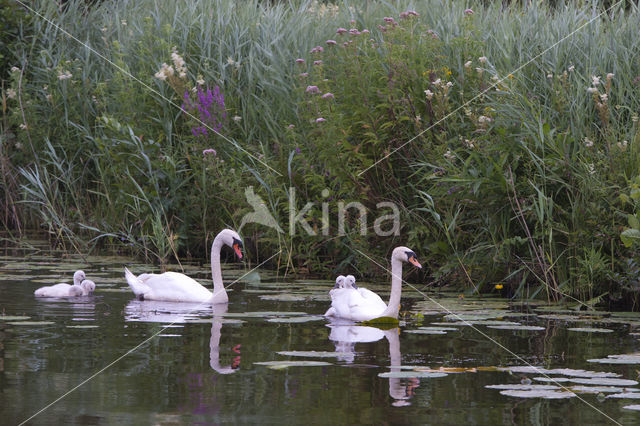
(633, 358)
(625, 395)
(279, 365)
(284, 297)
(449, 370)
(423, 331)
(603, 389)
(315, 354)
(591, 330)
(410, 374)
(517, 327)
(523, 387)
(545, 394)
(551, 379)
(559, 371)
(296, 319)
(13, 318)
(382, 322)
(604, 381)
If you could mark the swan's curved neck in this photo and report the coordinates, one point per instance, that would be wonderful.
(396, 290)
(216, 271)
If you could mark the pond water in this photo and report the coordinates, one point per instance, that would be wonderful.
(270, 357)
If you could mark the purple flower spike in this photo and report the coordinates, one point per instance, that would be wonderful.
(298, 150)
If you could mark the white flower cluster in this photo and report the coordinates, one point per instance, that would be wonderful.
(179, 63)
(167, 71)
(64, 75)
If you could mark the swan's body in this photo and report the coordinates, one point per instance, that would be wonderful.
(177, 287)
(359, 304)
(65, 290)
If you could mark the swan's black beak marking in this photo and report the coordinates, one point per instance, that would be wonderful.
(411, 257)
(237, 247)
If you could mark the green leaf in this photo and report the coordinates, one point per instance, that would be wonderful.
(633, 221)
(630, 236)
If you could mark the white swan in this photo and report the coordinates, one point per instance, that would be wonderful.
(177, 287)
(61, 290)
(65, 290)
(360, 304)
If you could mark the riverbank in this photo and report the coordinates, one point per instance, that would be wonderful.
(500, 144)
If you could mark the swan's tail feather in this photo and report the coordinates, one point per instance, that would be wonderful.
(139, 288)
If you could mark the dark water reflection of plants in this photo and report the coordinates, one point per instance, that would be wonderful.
(202, 367)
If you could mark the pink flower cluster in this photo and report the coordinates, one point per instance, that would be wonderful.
(312, 89)
(408, 14)
(317, 49)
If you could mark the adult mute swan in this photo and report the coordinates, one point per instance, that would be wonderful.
(62, 290)
(359, 304)
(177, 287)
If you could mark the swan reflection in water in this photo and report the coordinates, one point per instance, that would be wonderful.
(170, 313)
(345, 336)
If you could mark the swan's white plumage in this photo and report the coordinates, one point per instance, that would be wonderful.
(177, 287)
(66, 290)
(360, 304)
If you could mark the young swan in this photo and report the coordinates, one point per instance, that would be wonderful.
(64, 290)
(360, 304)
(86, 288)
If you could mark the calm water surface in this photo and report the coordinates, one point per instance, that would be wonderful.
(166, 363)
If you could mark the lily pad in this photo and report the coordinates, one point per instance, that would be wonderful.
(315, 354)
(633, 358)
(545, 394)
(410, 374)
(552, 379)
(591, 330)
(279, 365)
(604, 381)
(438, 328)
(517, 327)
(558, 371)
(523, 387)
(602, 389)
(488, 323)
(625, 395)
(284, 297)
(296, 319)
(13, 318)
(421, 331)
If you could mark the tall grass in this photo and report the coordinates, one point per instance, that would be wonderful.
(527, 196)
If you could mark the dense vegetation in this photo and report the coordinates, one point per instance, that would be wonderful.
(507, 137)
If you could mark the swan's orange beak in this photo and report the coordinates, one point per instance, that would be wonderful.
(415, 262)
(236, 248)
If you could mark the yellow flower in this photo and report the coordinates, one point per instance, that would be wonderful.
(510, 76)
(499, 286)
